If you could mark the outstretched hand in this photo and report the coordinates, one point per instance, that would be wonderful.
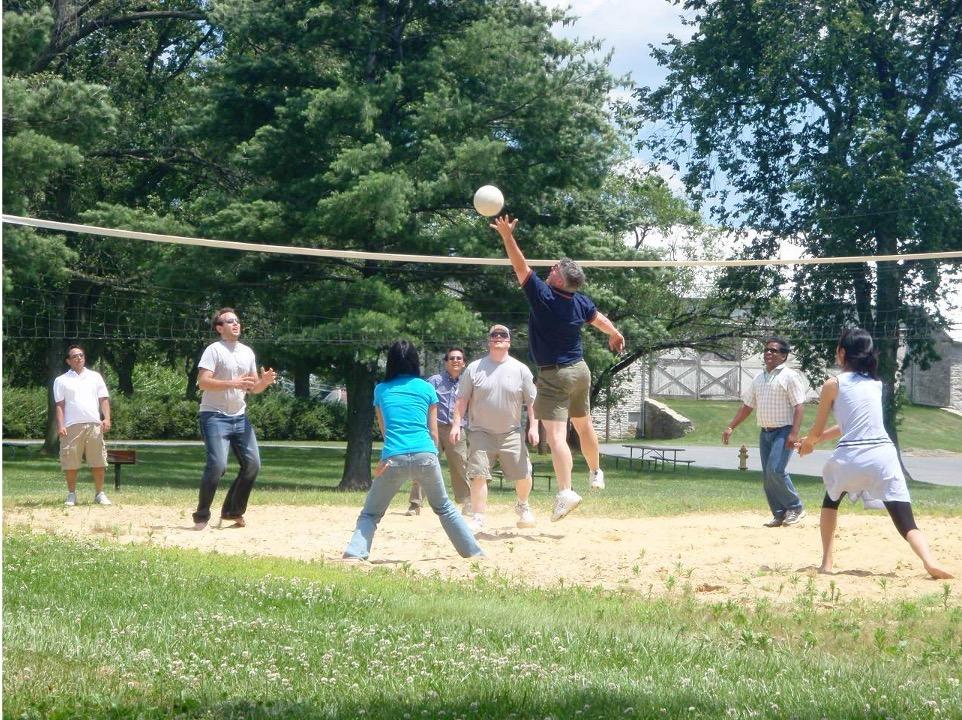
(505, 226)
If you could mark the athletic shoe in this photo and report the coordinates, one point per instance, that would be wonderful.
(476, 524)
(793, 516)
(774, 522)
(564, 502)
(597, 479)
(71, 499)
(525, 516)
(102, 499)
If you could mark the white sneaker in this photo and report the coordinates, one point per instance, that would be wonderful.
(597, 479)
(564, 502)
(102, 499)
(476, 523)
(71, 499)
(525, 516)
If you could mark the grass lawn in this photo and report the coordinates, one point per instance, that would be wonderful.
(921, 428)
(309, 476)
(93, 629)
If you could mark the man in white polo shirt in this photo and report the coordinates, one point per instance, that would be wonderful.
(778, 397)
(228, 372)
(81, 400)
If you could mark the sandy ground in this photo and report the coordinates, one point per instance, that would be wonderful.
(719, 556)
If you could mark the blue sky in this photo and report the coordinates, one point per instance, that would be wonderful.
(627, 27)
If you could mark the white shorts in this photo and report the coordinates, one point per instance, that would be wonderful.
(868, 472)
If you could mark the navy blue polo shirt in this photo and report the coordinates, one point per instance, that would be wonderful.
(554, 322)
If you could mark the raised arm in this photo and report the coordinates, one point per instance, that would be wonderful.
(267, 378)
(616, 341)
(505, 227)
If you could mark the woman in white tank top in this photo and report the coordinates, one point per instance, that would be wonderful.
(865, 463)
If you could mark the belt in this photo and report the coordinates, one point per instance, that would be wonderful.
(773, 429)
(559, 366)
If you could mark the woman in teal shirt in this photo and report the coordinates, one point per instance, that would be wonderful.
(407, 414)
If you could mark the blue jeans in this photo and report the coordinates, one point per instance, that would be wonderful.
(775, 454)
(425, 469)
(219, 432)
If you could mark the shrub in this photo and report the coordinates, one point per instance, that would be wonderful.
(24, 412)
(155, 416)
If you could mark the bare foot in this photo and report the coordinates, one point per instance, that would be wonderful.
(200, 526)
(825, 570)
(237, 522)
(938, 573)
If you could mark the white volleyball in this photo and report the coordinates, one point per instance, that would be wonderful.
(488, 200)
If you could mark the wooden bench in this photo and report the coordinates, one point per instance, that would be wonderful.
(499, 474)
(118, 458)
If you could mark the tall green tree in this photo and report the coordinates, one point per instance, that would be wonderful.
(368, 125)
(837, 126)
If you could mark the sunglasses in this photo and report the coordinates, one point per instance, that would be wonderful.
(232, 321)
(775, 350)
(499, 336)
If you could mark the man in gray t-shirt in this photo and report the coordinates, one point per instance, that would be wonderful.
(492, 392)
(227, 373)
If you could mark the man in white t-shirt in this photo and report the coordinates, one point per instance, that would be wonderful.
(777, 395)
(83, 416)
(228, 372)
(491, 393)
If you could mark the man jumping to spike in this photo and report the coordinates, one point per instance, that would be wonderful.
(557, 312)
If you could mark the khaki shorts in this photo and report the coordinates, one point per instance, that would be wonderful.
(83, 439)
(508, 449)
(563, 392)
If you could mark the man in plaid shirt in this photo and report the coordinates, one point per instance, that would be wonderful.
(778, 397)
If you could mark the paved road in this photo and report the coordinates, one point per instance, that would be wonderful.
(938, 470)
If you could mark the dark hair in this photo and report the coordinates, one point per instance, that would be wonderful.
(215, 320)
(782, 343)
(861, 355)
(75, 347)
(460, 350)
(402, 359)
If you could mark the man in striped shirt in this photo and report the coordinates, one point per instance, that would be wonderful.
(777, 395)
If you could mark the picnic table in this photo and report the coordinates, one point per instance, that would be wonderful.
(654, 455)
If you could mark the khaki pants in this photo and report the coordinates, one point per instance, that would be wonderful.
(457, 457)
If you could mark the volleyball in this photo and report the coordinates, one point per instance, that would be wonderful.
(488, 200)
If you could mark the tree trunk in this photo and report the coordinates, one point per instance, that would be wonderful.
(123, 362)
(360, 420)
(886, 336)
(192, 372)
(55, 355)
(302, 382)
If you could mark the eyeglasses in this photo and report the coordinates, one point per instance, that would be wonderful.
(230, 321)
(498, 335)
(455, 359)
(775, 350)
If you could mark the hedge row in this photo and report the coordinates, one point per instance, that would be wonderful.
(276, 416)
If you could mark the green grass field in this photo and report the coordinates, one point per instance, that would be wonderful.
(93, 629)
(309, 476)
(921, 428)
